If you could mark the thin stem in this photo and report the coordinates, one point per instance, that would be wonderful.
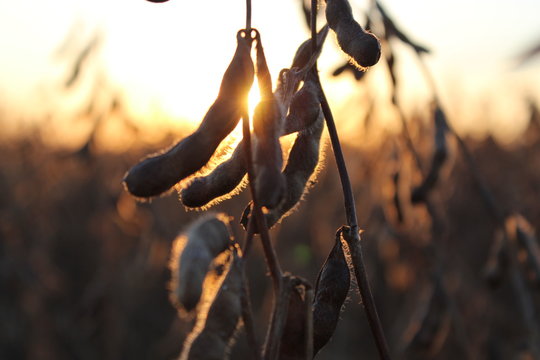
(355, 248)
(270, 255)
(350, 208)
(278, 320)
(313, 26)
(309, 322)
(247, 316)
(248, 16)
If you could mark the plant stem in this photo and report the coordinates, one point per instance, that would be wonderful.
(270, 254)
(279, 311)
(309, 322)
(353, 241)
(247, 316)
(350, 209)
(248, 16)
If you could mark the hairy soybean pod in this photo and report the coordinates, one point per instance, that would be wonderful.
(304, 51)
(363, 47)
(193, 253)
(420, 193)
(331, 291)
(303, 159)
(267, 126)
(221, 181)
(157, 174)
(294, 331)
(301, 164)
(304, 110)
(213, 341)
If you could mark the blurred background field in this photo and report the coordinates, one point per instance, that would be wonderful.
(83, 266)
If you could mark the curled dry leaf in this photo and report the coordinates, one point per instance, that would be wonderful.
(158, 173)
(214, 332)
(193, 252)
(419, 194)
(363, 47)
(331, 291)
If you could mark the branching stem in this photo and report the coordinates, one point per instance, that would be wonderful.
(350, 209)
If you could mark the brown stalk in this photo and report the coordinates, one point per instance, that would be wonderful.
(350, 210)
(247, 316)
(309, 323)
(276, 324)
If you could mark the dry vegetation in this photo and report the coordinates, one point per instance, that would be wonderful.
(448, 234)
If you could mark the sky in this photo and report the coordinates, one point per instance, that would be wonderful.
(167, 59)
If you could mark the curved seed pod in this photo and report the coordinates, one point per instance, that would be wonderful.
(303, 53)
(363, 47)
(301, 164)
(193, 253)
(267, 126)
(213, 340)
(420, 193)
(331, 291)
(294, 332)
(303, 159)
(157, 174)
(223, 180)
(304, 110)
(268, 159)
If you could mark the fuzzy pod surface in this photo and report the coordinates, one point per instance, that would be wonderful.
(294, 332)
(268, 121)
(304, 51)
(363, 47)
(331, 291)
(213, 341)
(158, 173)
(304, 110)
(301, 164)
(204, 240)
(221, 181)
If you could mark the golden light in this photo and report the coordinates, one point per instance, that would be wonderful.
(254, 98)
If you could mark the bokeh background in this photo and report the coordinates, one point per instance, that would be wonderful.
(88, 88)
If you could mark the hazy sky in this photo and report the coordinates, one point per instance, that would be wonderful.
(171, 56)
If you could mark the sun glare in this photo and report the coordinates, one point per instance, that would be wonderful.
(254, 97)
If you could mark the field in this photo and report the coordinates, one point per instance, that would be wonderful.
(84, 266)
